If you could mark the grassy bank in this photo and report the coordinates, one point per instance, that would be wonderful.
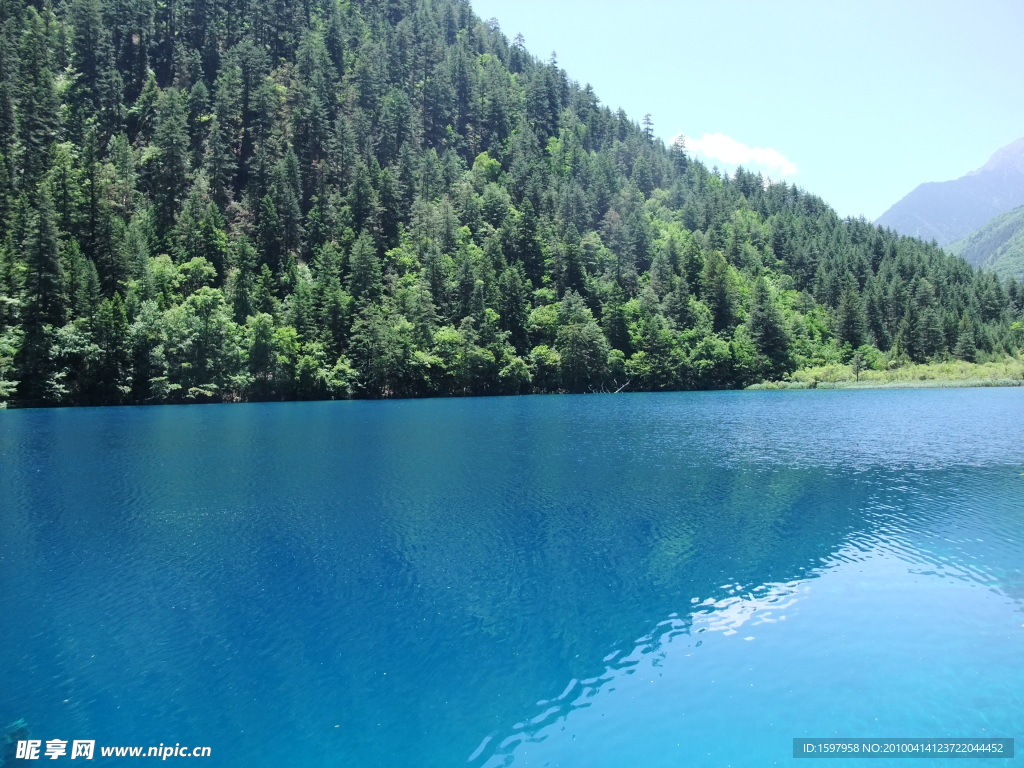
(1008, 372)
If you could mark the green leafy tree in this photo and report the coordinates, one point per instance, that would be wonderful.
(203, 347)
(384, 355)
(581, 347)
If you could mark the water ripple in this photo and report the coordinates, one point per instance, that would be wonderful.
(426, 583)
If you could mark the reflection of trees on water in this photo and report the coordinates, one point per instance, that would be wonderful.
(742, 543)
(567, 583)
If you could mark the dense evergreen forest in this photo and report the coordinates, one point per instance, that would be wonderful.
(208, 200)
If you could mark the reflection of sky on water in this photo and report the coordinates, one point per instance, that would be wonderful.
(738, 610)
(857, 626)
(764, 604)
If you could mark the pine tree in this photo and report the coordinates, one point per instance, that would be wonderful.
(110, 332)
(270, 236)
(926, 335)
(97, 91)
(718, 290)
(513, 308)
(37, 101)
(365, 281)
(768, 332)
(170, 165)
(850, 321)
(966, 339)
(44, 302)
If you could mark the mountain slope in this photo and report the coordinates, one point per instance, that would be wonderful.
(946, 211)
(257, 199)
(998, 246)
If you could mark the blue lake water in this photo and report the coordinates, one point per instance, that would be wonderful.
(686, 579)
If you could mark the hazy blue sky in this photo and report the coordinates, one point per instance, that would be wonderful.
(855, 101)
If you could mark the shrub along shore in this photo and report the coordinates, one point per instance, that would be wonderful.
(1005, 372)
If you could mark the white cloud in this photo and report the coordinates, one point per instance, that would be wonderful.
(725, 149)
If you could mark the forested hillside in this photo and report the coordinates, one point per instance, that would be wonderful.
(997, 247)
(267, 199)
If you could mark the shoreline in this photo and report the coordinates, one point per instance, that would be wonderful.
(769, 386)
(1005, 372)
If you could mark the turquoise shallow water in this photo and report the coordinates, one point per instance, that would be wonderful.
(630, 580)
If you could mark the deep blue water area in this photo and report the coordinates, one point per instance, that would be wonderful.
(672, 580)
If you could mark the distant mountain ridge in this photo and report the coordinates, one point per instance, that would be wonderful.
(946, 211)
(998, 246)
